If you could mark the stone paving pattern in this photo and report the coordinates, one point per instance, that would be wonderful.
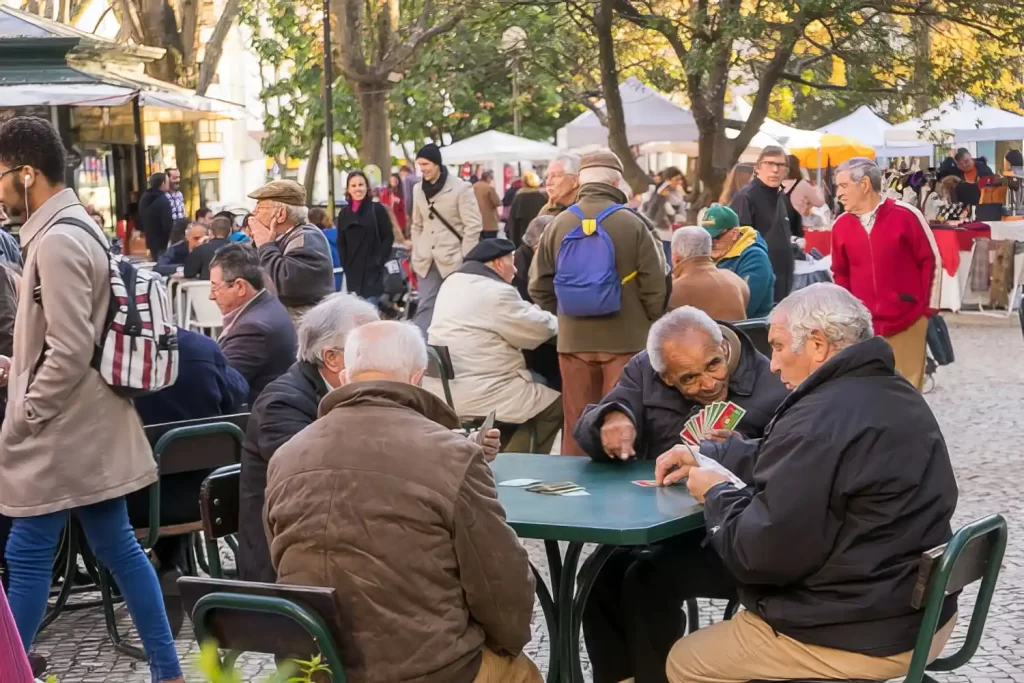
(977, 401)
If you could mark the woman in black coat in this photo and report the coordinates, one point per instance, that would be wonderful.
(365, 237)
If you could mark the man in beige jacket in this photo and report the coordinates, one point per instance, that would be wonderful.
(404, 522)
(68, 441)
(698, 282)
(446, 225)
(489, 202)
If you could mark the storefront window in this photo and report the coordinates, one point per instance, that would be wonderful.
(209, 188)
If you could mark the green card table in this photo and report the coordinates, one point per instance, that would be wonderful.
(616, 513)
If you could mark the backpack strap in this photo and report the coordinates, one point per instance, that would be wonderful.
(575, 210)
(608, 212)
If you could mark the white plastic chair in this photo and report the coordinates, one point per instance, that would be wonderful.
(201, 312)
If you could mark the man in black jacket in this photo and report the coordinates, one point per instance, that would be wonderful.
(287, 406)
(197, 265)
(763, 205)
(155, 215)
(258, 337)
(964, 166)
(635, 611)
(850, 484)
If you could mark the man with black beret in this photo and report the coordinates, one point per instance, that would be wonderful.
(485, 324)
(445, 226)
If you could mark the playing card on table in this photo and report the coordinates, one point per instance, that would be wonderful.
(646, 483)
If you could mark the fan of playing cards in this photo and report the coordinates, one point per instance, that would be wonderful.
(718, 415)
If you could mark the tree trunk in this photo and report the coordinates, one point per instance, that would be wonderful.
(375, 124)
(922, 61)
(312, 164)
(215, 46)
(183, 137)
(617, 140)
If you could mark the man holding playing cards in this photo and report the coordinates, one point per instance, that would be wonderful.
(850, 484)
(694, 370)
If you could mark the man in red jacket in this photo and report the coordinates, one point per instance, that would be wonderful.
(884, 253)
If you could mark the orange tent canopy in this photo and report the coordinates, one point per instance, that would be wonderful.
(832, 149)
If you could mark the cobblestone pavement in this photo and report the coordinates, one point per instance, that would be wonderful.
(977, 401)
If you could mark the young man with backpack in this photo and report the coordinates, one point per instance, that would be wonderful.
(601, 269)
(69, 440)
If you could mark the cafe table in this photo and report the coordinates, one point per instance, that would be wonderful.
(616, 513)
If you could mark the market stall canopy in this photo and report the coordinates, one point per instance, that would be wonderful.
(831, 150)
(650, 117)
(494, 145)
(749, 155)
(867, 127)
(961, 120)
(45, 63)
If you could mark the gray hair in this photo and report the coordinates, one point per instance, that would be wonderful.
(691, 241)
(600, 174)
(570, 163)
(676, 324)
(393, 348)
(858, 167)
(294, 215)
(828, 308)
(328, 325)
(535, 229)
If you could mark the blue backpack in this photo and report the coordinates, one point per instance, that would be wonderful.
(586, 282)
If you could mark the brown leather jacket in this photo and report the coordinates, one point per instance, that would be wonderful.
(718, 292)
(380, 500)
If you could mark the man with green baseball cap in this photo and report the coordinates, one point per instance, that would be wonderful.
(743, 251)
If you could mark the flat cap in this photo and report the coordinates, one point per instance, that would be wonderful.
(488, 250)
(285, 191)
(602, 158)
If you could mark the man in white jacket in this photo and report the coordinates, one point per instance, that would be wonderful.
(485, 324)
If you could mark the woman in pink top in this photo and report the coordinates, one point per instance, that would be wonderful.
(15, 668)
(800, 190)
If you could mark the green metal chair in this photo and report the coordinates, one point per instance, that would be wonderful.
(218, 504)
(177, 450)
(439, 365)
(975, 553)
(282, 620)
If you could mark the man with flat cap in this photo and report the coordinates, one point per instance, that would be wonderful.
(445, 226)
(294, 254)
(601, 269)
(481, 318)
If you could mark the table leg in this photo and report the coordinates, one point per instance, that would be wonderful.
(585, 582)
(547, 605)
(567, 653)
(554, 563)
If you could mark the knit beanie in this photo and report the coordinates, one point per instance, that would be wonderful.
(431, 153)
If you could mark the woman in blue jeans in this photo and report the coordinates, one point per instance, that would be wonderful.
(70, 443)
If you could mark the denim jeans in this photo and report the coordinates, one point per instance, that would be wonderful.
(30, 552)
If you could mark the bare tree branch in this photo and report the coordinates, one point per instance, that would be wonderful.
(215, 46)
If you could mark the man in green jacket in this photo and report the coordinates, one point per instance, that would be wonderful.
(593, 350)
(743, 251)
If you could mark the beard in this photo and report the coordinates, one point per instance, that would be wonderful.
(16, 207)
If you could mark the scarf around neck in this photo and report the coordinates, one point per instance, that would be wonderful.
(430, 189)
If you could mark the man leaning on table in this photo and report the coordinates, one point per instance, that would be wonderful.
(433, 583)
(635, 611)
(885, 254)
(847, 489)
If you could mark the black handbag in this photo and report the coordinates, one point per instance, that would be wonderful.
(939, 342)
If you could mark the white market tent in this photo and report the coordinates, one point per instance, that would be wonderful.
(649, 115)
(493, 145)
(867, 127)
(749, 155)
(960, 121)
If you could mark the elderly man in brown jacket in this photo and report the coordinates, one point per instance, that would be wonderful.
(593, 350)
(382, 501)
(490, 203)
(698, 282)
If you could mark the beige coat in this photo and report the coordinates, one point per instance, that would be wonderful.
(434, 244)
(720, 293)
(68, 440)
(485, 324)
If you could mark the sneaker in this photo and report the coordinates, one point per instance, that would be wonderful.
(172, 599)
(38, 664)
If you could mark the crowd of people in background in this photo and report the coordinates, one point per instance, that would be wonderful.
(568, 306)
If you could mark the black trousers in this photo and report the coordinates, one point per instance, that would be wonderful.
(635, 612)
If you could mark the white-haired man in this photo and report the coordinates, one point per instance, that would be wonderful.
(295, 255)
(381, 500)
(848, 488)
(562, 183)
(606, 281)
(698, 282)
(635, 612)
(884, 252)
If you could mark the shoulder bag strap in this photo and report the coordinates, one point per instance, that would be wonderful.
(434, 213)
(793, 187)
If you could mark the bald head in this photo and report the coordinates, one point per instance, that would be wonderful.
(195, 234)
(385, 350)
